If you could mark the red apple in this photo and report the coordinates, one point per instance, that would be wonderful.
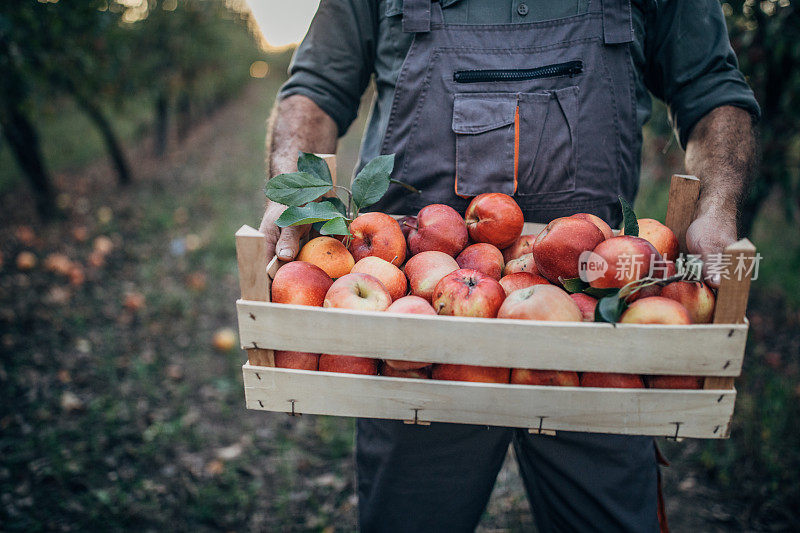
(523, 245)
(674, 382)
(625, 259)
(560, 244)
(392, 277)
(655, 310)
(347, 364)
(540, 302)
(611, 380)
(695, 296)
(379, 235)
(467, 292)
(298, 360)
(426, 269)
(358, 291)
(553, 378)
(597, 221)
(439, 228)
(482, 257)
(521, 280)
(484, 374)
(586, 304)
(300, 283)
(523, 263)
(494, 218)
(412, 305)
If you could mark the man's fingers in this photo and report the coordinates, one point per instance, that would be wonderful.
(289, 242)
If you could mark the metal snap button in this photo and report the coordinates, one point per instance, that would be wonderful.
(522, 9)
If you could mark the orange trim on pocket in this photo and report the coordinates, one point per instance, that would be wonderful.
(516, 147)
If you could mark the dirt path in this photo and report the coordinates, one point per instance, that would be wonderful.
(116, 411)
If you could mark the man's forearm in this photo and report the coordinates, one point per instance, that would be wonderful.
(721, 151)
(297, 124)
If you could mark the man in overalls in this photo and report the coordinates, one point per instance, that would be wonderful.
(543, 100)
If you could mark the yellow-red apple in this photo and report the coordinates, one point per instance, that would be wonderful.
(560, 244)
(439, 228)
(521, 246)
(482, 374)
(348, 364)
(329, 254)
(611, 380)
(482, 257)
(553, 378)
(695, 296)
(392, 277)
(467, 292)
(523, 263)
(418, 373)
(298, 360)
(300, 283)
(494, 218)
(521, 280)
(379, 235)
(358, 291)
(660, 236)
(540, 302)
(656, 310)
(426, 269)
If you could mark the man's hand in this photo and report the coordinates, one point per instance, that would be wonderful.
(721, 152)
(297, 124)
(283, 242)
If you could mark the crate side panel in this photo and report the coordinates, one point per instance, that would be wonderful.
(701, 414)
(708, 350)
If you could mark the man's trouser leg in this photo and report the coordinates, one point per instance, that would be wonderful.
(426, 478)
(589, 482)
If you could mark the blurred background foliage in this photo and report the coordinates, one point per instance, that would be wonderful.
(143, 121)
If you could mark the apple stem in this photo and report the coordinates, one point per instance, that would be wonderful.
(405, 223)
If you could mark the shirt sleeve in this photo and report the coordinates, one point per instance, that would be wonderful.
(333, 64)
(690, 64)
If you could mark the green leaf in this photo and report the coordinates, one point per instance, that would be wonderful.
(335, 226)
(595, 292)
(573, 285)
(296, 188)
(339, 205)
(406, 186)
(308, 214)
(629, 221)
(314, 165)
(372, 182)
(609, 309)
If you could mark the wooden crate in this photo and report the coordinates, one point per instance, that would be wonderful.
(714, 351)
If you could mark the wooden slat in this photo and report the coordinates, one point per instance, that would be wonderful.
(734, 290)
(703, 350)
(670, 413)
(251, 255)
(683, 194)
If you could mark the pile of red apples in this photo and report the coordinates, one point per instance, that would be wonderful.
(481, 265)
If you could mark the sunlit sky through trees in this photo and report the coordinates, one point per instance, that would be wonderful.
(283, 22)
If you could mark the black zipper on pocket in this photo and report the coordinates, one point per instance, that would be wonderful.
(570, 68)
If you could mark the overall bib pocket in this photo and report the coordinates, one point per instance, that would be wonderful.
(548, 159)
(516, 143)
(486, 129)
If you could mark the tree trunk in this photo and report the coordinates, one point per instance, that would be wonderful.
(184, 115)
(24, 143)
(162, 124)
(109, 136)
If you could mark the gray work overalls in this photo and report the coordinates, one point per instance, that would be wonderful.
(543, 111)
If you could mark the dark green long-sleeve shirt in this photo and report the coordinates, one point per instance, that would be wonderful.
(681, 55)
